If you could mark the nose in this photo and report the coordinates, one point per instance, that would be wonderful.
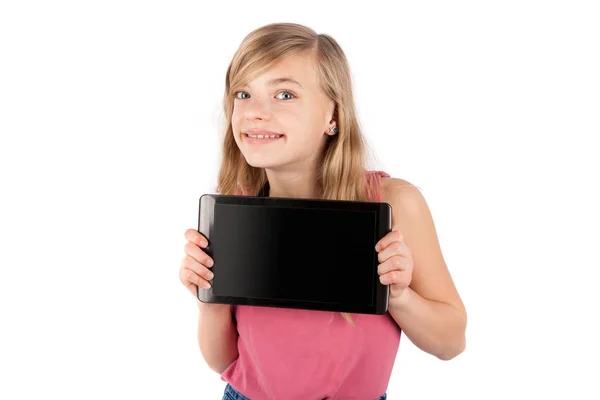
(257, 109)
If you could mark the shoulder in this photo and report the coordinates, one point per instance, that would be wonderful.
(404, 197)
(411, 215)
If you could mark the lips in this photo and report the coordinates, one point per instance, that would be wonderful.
(261, 136)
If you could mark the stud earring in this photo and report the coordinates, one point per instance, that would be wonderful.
(334, 129)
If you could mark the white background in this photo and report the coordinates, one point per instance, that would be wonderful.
(110, 132)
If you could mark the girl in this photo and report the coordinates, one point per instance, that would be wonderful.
(292, 131)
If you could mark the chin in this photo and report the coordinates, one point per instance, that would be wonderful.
(270, 161)
(263, 163)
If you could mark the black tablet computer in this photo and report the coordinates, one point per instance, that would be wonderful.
(295, 253)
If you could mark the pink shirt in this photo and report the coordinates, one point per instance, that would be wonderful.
(308, 355)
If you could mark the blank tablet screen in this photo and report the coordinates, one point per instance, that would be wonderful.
(310, 255)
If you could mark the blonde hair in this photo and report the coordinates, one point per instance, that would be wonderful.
(343, 162)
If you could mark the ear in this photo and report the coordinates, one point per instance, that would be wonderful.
(332, 128)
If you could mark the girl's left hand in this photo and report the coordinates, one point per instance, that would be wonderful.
(396, 263)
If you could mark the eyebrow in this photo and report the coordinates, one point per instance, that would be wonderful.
(283, 79)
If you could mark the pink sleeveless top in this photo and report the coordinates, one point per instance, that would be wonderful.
(308, 355)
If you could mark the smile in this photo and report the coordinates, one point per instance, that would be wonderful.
(261, 137)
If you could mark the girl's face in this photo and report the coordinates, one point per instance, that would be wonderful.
(286, 102)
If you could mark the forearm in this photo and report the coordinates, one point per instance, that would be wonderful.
(217, 335)
(434, 327)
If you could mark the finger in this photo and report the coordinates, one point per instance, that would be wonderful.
(393, 263)
(395, 278)
(196, 253)
(397, 289)
(189, 277)
(198, 268)
(192, 287)
(196, 237)
(393, 249)
(393, 236)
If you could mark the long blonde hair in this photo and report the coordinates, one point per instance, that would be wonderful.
(343, 162)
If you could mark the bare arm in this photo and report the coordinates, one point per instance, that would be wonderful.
(217, 335)
(434, 327)
(429, 311)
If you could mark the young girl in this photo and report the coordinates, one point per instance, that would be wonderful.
(292, 131)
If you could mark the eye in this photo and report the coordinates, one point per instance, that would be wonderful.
(288, 97)
(244, 95)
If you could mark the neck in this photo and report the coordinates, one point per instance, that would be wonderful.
(301, 185)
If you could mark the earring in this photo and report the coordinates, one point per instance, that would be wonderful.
(334, 129)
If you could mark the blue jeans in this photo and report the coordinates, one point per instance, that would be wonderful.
(232, 394)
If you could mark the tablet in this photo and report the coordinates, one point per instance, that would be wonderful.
(295, 253)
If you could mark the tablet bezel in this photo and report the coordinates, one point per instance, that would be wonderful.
(383, 226)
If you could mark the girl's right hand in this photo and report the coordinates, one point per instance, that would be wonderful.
(195, 267)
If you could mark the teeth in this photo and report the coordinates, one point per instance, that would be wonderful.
(264, 136)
